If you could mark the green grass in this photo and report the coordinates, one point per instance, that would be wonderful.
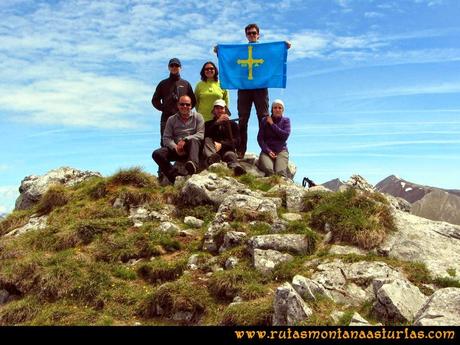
(257, 312)
(261, 184)
(353, 217)
(180, 296)
(240, 281)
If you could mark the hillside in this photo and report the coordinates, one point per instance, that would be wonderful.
(220, 250)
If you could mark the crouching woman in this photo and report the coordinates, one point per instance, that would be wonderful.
(272, 138)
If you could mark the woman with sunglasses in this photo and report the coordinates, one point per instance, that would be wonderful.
(208, 90)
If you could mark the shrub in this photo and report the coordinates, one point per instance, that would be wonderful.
(56, 196)
(353, 217)
(133, 177)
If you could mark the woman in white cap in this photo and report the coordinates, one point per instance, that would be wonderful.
(208, 90)
(272, 138)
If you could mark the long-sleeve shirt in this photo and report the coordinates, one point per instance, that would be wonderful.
(225, 132)
(274, 137)
(168, 92)
(206, 93)
(176, 129)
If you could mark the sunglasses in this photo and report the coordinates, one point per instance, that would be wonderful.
(174, 65)
(251, 33)
(185, 104)
(209, 69)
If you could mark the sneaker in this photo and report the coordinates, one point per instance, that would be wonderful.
(239, 170)
(214, 158)
(191, 167)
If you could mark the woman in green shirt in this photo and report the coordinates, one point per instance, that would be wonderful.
(208, 90)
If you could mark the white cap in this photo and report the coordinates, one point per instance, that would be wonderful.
(278, 101)
(219, 102)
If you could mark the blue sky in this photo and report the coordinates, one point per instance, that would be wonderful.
(373, 86)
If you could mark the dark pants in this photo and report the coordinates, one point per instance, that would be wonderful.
(228, 156)
(164, 156)
(245, 99)
(164, 118)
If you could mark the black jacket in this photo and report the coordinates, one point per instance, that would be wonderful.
(226, 132)
(168, 92)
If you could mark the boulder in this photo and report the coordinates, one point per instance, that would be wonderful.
(265, 260)
(398, 300)
(209, 188)
(294, 243)
(436, 244)
(33, 187)
(289, 307)
(441, 309)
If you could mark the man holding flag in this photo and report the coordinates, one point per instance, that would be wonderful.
(251, 75)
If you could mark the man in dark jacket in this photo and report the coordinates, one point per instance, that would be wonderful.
(222, 137)
(169, 91)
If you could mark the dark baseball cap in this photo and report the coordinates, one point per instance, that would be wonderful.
(174, 61)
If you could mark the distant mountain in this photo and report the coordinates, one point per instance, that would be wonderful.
(427, 202)
(334, 184)
(407, 190)
(438, 205)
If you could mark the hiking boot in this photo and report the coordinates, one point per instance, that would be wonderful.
(214, 158)
(171, 175)
(239, 170)
(191, 167)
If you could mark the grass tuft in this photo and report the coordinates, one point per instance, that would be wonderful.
(134, 177)
(353, 217)
(56, 196)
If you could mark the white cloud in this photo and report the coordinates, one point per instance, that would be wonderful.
(8, 195)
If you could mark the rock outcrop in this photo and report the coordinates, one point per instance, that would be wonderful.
(436, 244)
(33, 187)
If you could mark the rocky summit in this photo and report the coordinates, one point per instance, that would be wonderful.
(216, 249)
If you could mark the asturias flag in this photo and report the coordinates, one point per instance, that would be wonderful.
(252, 65)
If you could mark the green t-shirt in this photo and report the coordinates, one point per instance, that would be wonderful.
(206, 93)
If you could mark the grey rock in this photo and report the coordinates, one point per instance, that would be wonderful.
(232, 239)
(278, 226)
(436, 244)
(291, 217)
(295, 243)
(193, 222)
(441, 309)
(345, 250)
(33, 187)
(169, 228)
(399, 300)
(265, 260)
(208, 188)
(231, 263)
(309, 289)
(289, 308)
(35, 223)
(359, 182)
(358, 320)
